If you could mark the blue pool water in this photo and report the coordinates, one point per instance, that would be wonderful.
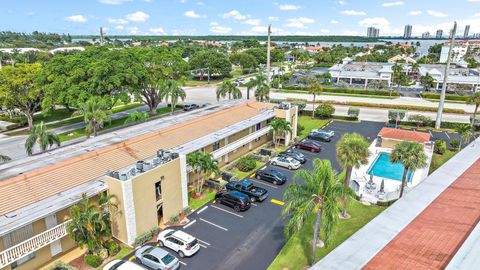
(382, 167)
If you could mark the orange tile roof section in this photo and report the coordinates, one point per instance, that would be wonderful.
(42, 183)
(431, 240)
(404, 135)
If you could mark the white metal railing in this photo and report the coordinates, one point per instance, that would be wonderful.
(35, 243)
(237, 144)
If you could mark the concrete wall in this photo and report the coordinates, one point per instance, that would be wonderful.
(389, 143)
(119, 226)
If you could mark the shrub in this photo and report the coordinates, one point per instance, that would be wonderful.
(186, 210)
(93, 260)
(455, 143)
(393, 114)
(348, 91)
(143, 238)
(59, 265)
(301, 104)
(353, 112)
(300, 128)
(386, 203)
(440, 147)
(246, 164)
(419, 119)
(174, 219)
(447, 96)
(325, 110)
(154, 231)
(228, 176)
(113, 248)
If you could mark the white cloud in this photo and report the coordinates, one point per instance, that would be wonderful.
(437, 14)
(137, 16)
(117, 21)
(392, 4)
(289, 7)
(476, 14)
(299, 22)
(303, 20)
(147, 1)
(218, 29)
(295, 25)
(341, 3)
(273, 18)
(353, 13)
(199, 3)
(192, 14)
(114, 2)
(324, 31)
(157, 31)
(259, 29)
(253, 21)
(375, 21)
(133, 30)
(333, 22)
(119, 27)
(234, 14)
(415, 12)
(76, 18)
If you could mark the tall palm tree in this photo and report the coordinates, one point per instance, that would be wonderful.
(415, 67)
(474, 100)
(397, 70)
(465, 132)
(228, 88)
(173, 90)
(315, 89)
(95, 114)
(280, 127)
(319, 194)
(352, 151)
(41, 136)
(250, 85)
(4, 158)
(262, 93)
(412, 156)
(194, 160)
(427, 81)
(209, 167)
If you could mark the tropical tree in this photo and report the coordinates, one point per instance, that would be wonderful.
(280, 127)
(90, 224)
(194, 160)
(352, 151)
(228, 88)
(95, 114)
(397, 71)
(320, 195)
(136, 117)
(250, 85)
(262, 93)
(4, 158)
(465, 131)
(315, 89)
(412, 156)
(174, 91)
(474, 100)
(203, 164)
(41, 136)
(209, 167)
(427, 81)
(415, 67)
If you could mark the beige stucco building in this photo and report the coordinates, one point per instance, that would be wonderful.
(147, 175)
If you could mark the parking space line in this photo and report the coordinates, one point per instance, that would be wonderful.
(203, 209)
(448, 136)
(190, 224)
(265, 184)
(277, 202)
(182, 263)
(206, 243)
(213, 224)
(202, 246)
(254, 204)
(226, 211)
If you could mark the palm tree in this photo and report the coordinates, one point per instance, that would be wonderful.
(41, 136)
(228, 88)
(415, 67)
(209, 167)
(280, 127)
(352, 151)
(319, 194)
(4, 158)
(95, 114)
(427, 81)
(194, 160)
(474, 100)
(262, 93)
(250, 85)
(136, 117)
(315, 89)
(465, 132)
(412, 156)
(174, 91)
(397, 70)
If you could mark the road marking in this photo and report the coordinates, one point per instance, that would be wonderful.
(261, 183)
(131, 258)
(190, 224)
(213, 224)
(182, 263)
(277, 202)
(206, 243)
(447, 135)
(157, 245)
(203, 246)
(203, 209)
(226, 211)
(254, 204)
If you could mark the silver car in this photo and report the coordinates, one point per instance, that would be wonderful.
(287, 162)
(157, 258)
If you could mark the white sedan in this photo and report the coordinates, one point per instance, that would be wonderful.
(287, 162)
(122, 265)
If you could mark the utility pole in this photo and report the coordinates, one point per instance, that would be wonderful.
(102, 41)
(438, 122)
(268, 53)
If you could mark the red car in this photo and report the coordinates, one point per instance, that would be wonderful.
(308, 145)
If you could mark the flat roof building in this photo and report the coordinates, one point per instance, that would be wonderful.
(407, 33)
(439, 34)
(373, 32)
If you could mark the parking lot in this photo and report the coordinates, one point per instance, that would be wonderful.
(253, 238)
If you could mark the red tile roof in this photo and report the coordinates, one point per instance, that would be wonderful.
(431, 240)
(404, 135)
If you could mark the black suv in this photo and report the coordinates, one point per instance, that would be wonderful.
(295, 155)
(235, 199)
(272, 176)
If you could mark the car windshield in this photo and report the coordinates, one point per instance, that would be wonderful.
(275, 173)
(168, 259)
(248, 186)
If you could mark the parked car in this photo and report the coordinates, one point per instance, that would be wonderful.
(157, 258)
(328, 132)
(181, 242)
(122, 265)
(308, 145)
(294, 154)
(319, 136)
(246, 187)
(189, 107)
(286, 162)
(272, 176)
(235, 199)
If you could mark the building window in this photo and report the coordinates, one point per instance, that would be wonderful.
(216, 146)
(158, 190)
(269, 121)
(258, 127)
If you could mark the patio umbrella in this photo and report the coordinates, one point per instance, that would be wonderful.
(382, 186)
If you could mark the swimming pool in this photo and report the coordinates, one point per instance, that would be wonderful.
(382, 167)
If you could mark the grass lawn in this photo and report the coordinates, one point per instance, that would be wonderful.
(242, 175)
(308, 123)
(337, 94)
(197, 203)
(192, 83)
(295, 254)
(439, 160)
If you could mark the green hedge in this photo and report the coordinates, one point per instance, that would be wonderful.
(93, 260)
(447, 96)
(400, 107)
(387, 203)
(431, 123)
(246, 163)
(349, 91)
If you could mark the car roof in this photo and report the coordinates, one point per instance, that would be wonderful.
(244, 183)
(154, 251)
(238, 194)
(126, 265)
(184, 236)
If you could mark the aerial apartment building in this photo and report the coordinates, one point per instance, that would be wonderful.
(407, 33)
(144, 167)
(373, 32)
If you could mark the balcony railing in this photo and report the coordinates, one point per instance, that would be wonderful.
(33, 244)
(237, 144)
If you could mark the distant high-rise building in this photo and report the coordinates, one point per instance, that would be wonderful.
(467, 29)
(426, 35)
(373, 32)
(407, 33)
(439, 34)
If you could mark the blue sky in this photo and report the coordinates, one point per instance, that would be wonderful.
(222, 17)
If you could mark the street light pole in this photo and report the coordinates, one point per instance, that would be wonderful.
(438, 121)
(268, 53)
